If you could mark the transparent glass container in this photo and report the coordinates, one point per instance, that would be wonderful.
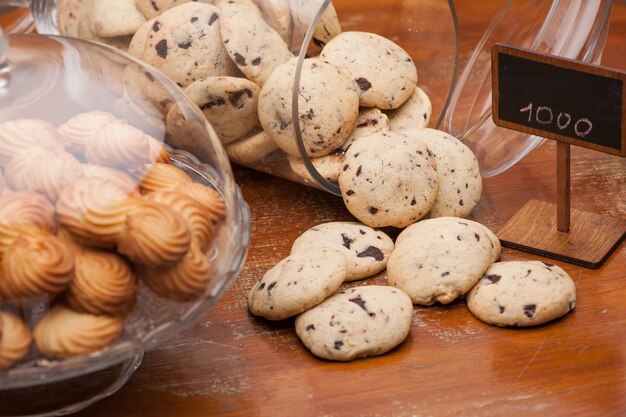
(574, 29)
(52, 79)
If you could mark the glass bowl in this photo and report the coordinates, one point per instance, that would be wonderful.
(426, 29)
(568, 28)
(53, 79)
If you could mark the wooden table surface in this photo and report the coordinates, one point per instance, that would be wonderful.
(232, 364)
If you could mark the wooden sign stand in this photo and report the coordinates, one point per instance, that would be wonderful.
(542, 228)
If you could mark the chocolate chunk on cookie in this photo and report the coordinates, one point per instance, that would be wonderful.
(366, 249)
(300, 281)
(356, 323)
(228, 103)
(438, 260)
(522, 293)
(389, 179)
(325, 120)
(384, 72)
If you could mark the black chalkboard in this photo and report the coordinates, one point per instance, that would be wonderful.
(559, 99)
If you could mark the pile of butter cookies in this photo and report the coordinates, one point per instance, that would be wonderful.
(432, 261)
(87, 211)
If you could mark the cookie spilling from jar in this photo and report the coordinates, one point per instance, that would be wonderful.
(433, 261)
(88, 211)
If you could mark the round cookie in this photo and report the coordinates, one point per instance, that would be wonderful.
(458, 174)
(251, 149)
(277, 14)
(300, 281)
(384, 72)
(228, 103)
(329, 166)
(522, 293)
(366, 249)
(326, 120)
(304, 12)
(115, 18)
(413, 114)
(356, 323)
(187, 44)
(152, 8)
(438, 260)
(389, 179)
(252, 44)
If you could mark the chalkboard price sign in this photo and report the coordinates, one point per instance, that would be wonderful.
(560, 99)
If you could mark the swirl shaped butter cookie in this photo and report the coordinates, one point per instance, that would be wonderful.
(161, 177)
(78, 131)
(63, 333)
(27, 209)
(185, 280)
(23, 135)
(199, 222)
(46, 171)
(522, 293)
(366, 249)
(185, 44)
(103, 283)
(154, 234)
(210, 200)
(297, 283)
(121, 178)
(385, 73)
(325, 120)
(15, 339)
(118, 144)
(36, 263)
(356, 323)
(388, 179)
(94, 211)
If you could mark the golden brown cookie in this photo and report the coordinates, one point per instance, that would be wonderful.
(199, 222)
(46, 171)
(161, 176)
(94, 211)
(27, 208)
(36, 263)
(118, 144)
(17, 136)
(185, 280)
(80, 129)
(63, 333)
(154, 235)
(15, 339)
(208, 198)
(121, 178)
(103, 283)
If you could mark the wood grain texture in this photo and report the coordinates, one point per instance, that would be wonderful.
(232, 364)
(589, 242)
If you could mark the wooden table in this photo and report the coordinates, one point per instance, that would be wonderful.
(232, 364)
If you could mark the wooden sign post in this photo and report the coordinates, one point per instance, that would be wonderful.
(574, 104)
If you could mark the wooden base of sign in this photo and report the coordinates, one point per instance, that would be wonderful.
(589, 242)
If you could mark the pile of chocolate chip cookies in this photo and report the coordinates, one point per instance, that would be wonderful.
(88, 210)
(432, 261)
(361, 114)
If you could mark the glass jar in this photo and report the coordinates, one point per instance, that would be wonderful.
(46, 82)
